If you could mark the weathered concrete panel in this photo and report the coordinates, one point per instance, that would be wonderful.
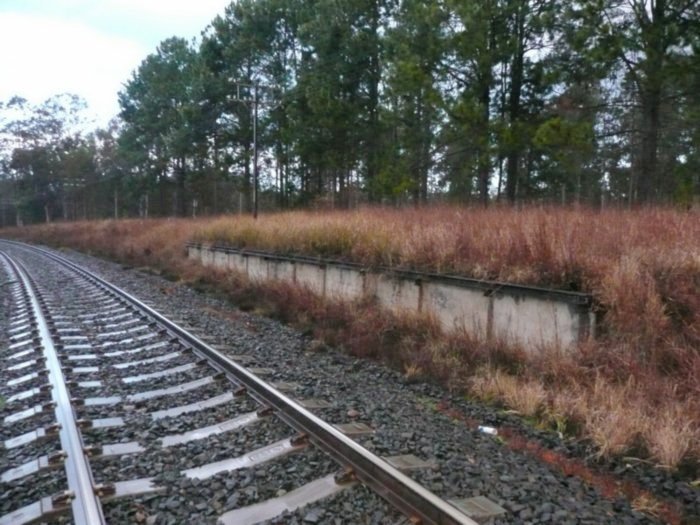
(530, 318)
(238, 263)
(535, 323)
(396, 293)
(257, 268)
(311, 276)
(457, 308)
(281, 270)
(206, 255)
(344, 283)
(220, 259)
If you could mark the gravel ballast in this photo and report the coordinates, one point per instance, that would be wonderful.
(464, 462)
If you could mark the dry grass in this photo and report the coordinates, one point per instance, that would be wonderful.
(643, 266)
(613, 416)
(526, 396)
(535, 245)
(634, 391)
(647, 504)
(672, 435)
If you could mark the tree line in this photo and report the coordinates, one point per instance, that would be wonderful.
(337, 102)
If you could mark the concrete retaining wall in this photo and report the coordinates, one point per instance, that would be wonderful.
(530, 316)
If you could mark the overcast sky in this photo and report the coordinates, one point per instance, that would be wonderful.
(88, 47)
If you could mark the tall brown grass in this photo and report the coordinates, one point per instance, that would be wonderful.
(633, 391)
(643, 266)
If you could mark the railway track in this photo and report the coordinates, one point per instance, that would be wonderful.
(172, 437)
(94, 376)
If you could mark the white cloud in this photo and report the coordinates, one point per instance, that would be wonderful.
(42, 57)
(88, 47)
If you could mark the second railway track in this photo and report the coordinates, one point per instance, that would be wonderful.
(174, 430)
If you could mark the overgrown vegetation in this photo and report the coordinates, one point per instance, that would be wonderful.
(632, 392)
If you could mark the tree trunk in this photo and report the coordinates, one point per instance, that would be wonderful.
(180, 187)
(247, 189)
(647, 182)
(162, 197)
(651, 94)
(485, 82)
(516, 86)
(373, 102)
(484, 150)
(424, 159)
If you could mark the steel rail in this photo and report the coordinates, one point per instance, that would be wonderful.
(85, 504)
(399, 490)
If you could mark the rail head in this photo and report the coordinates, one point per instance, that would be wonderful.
(85, 504)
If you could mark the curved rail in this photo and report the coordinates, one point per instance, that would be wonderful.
(398, 489)
(85, 504)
